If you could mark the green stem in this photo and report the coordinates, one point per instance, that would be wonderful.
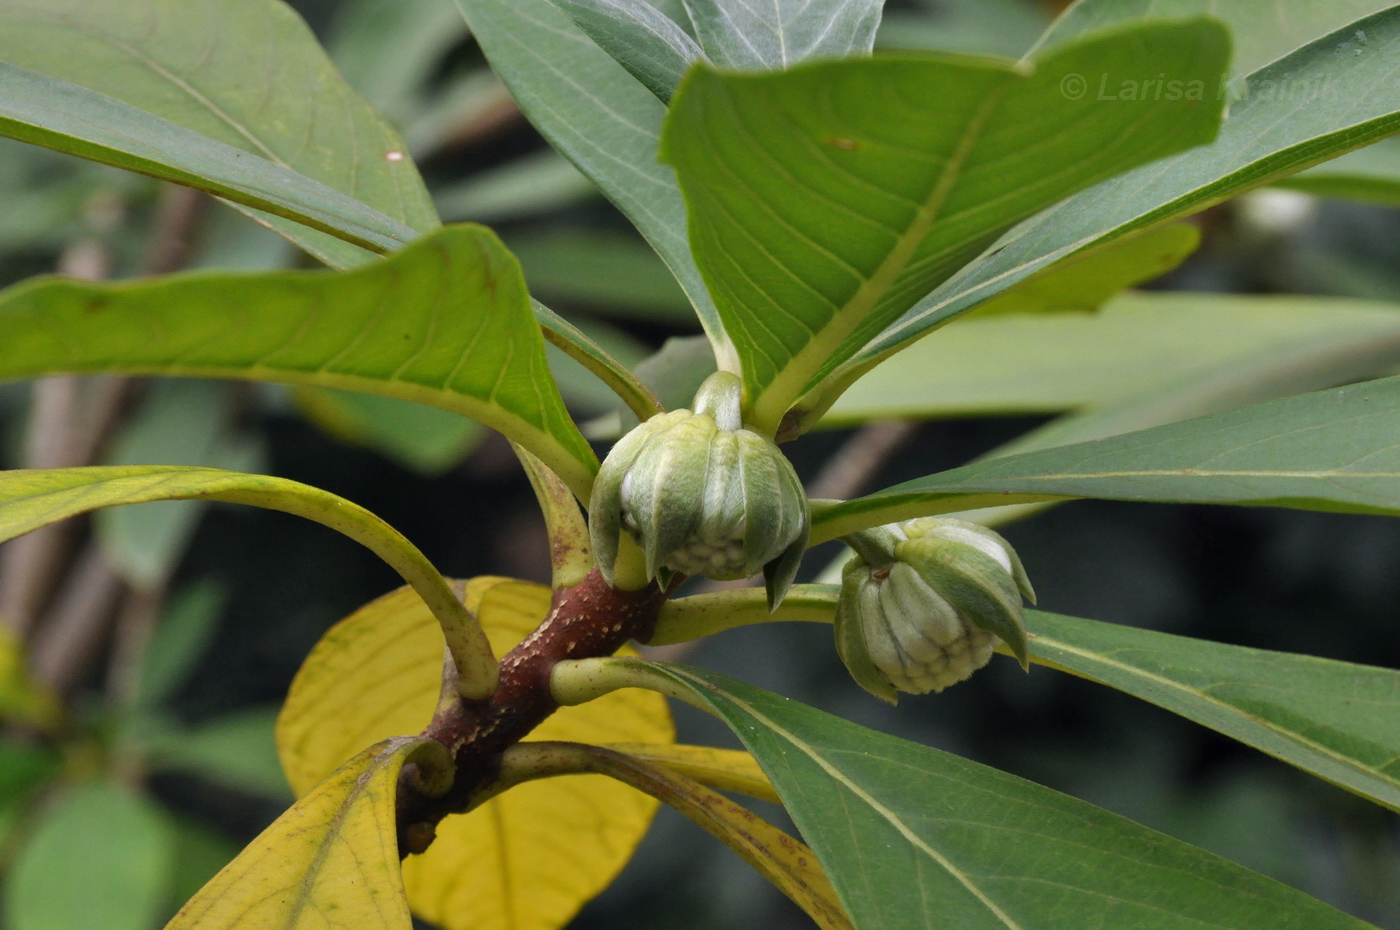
(688, 618)
(569, 551)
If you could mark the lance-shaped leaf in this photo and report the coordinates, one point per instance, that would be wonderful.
(916, 838)
(1335, 720)
(1371, 175)
(601, 118)
(725, 769)
(39, 109)
(774, 34)
(446, 322)
(30, 499)
(247, 73)
(645, 41)
(1329, 97)
(826, 200)
(335, 852)
(1331, 450)
(526, 860)
(1263, 31)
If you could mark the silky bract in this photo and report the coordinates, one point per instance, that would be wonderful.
(923, 604)
(702, 495)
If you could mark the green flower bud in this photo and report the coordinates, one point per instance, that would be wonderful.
(924, 602)
(702, 495)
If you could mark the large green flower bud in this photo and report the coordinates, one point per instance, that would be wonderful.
(923, 604)
(702, 495)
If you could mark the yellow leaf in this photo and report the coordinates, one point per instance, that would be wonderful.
(725, 769)
(524, 861)
(332, 860)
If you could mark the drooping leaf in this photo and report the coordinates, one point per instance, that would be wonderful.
(30, 499)
(826, 200)
(1330, 450)
(725, 769)
(772, 34)
(461, 335)
(101, 857)
(642, 39)
(598, 116)
(182, 636)
(1264, 30)
(249, 74)
(1136, 345)
(1371, 175)
(237, 750)
(422, 438)
(1311, 105)
(57, 115)
(913, 837)
(335, 852)
(524, 861)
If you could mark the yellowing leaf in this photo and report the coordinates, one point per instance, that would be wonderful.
(524, 861)
(725, 769)
(330, 861)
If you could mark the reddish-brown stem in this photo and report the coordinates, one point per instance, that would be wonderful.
(589, 620)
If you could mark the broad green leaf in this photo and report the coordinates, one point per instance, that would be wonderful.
(21, 698)
(642, 39)
(1088, 281)
(30, 499)
(421, 438)
(194, 65)
(599, 117)
(913, 837)
(1138, 345)
(524, 861)
(180, 640)
(1316, 103)
(237, 750)
(335, 852)
(1330, 450)
(1336, 720)
(773, 34)
(1264, 30)
(176, 423)
(824, 201)
(1371, 175)
(57, 115)
(388, 49)
(102, 857)
(461, 335)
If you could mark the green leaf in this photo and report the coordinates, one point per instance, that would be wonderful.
(388, 51)
(335, 852)
(917, 838)
(424, 439)
(102, 857)
(31, 499)
(1310, 106)
(641, 38)
(771, 34)
(1331, 450)
(1137, 346)
(1264, 30)
(980, 27)
(1336, 720)
(599, 117)
(1371, 175)
(72, 119)
(190, 63)
(22, 768)
(826, 200)
(461, 335)
(181, 638)
(199, 855)
(237, 750)
(521, 187)
(1088, 281)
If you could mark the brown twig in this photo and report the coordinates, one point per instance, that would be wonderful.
(72, 629)
(859, 460)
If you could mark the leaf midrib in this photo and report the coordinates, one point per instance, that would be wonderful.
(888, 815)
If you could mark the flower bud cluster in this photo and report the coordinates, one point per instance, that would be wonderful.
(923, 604)
(702, 495)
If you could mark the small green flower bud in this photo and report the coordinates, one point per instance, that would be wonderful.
(702, 495)
(924, 602)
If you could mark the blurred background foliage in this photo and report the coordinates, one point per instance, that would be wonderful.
(173, 630)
